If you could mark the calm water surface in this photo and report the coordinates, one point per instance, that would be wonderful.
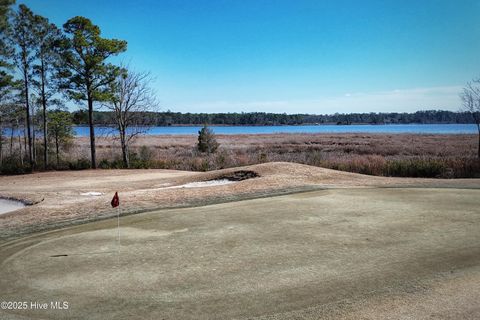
(391, 128)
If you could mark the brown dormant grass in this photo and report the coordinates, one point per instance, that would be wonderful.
(375, 154)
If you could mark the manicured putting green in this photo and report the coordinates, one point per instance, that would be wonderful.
(288, 255)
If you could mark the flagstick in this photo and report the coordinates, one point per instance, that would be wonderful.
(118, 227)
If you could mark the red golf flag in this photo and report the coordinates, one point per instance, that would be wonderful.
(115, 201)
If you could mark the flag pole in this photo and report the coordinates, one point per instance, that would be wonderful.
(118, 227)
(116, 203)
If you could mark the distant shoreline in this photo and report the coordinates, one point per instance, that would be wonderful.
(170, 118)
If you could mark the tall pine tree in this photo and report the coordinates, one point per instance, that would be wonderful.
(86, 74)
(24, 41)
(47, 61)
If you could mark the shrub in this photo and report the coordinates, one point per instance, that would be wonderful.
(11, 166)
(144, 159)
(104, 164)
(206, 140)
(205, 165)
(145, 154)
(221, 160)
(80, 164)
(262, 157)
(114, 164)
(424, 168)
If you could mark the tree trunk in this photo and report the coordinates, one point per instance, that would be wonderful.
(126, 161)
(478, 128)
(27, 109)
(44, 105)
(34, 147)
(56, 148)
(92, 132)
(25, 139)
(123, 143)
(479, 145)
(20, 146)
(11, 139)
(1, 143)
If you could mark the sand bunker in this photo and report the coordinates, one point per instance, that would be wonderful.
(219, 181)
(92, 194)
(224, 179)
(9, 205)
(202, 184)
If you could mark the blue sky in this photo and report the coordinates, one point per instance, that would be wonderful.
(292, 56)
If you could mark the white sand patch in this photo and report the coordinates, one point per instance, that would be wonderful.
(202, 184)
(9, 205)
(163, 185)
(92, 194)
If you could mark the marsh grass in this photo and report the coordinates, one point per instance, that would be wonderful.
(399, 155)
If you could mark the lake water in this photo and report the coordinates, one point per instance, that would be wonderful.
(389, 128)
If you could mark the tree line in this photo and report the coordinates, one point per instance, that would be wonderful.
(45, 67)
(169, 118)
(42, 66)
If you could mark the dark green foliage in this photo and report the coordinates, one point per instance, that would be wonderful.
(60, 131)
(7, 86)
(4, 8)
(80, 164)
(144, 159)
(7, 83)
(60, 124)
(47, 61)
(206, 140)
(85, 74)
(10, 166)
(114, 164)
(260, 119)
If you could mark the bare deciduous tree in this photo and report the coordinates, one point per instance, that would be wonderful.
(471, 103)
(131, 98)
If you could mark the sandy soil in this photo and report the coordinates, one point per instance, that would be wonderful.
(9, 205)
